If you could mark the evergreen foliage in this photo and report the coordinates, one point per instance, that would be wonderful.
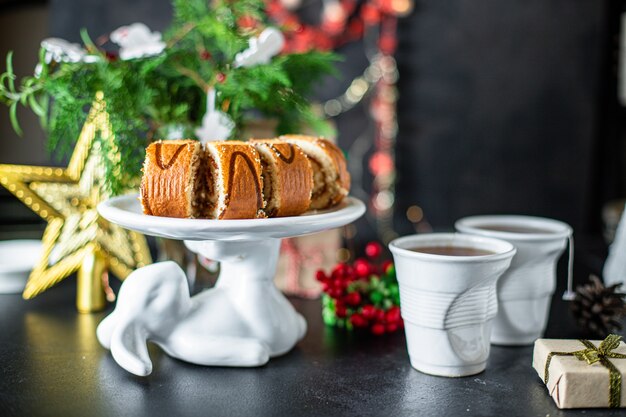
(147, 96)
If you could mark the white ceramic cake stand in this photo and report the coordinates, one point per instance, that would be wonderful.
(243, 321)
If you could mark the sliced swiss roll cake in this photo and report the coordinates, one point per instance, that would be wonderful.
(331, 180)
(287, 177)
(234, 181)
(173, 179)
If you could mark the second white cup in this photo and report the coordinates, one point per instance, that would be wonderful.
(525, 290)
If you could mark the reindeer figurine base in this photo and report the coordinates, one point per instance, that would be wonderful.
(243, 321)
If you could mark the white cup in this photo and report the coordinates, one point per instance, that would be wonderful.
(448, 302)
(525, 290)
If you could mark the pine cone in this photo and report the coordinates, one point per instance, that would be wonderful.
(598, 309)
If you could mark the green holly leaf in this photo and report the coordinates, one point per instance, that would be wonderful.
(329, 318)
(394, 293)
(326, 300)
(376, 297)
(374, 281)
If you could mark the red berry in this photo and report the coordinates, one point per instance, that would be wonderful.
(350, 278)
(378, 329)
(325, 286)
(368, 311)
(386, 265)
(348, 271)
(335, 292)
(357, 320)
(340, 311)
(220, 77)
(373, 249)
(393, 315)
(205, 55)
(380, 315)
(353, 298)
(391, 327)
(339, 271)
(362, 268)
(111, 56)
(320, 275)
(339, 283)
(247, 22)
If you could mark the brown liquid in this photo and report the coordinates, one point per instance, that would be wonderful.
(514, 229)
(452, 250)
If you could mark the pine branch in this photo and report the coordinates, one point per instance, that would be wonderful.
(204, 86)
(147, 96)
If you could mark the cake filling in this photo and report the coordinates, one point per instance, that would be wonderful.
(210, 198)
(322, 194)
(197, 188)
(268, 177)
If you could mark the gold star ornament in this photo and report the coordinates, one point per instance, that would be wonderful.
(77, 239)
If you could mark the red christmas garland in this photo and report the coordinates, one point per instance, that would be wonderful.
(341, 22)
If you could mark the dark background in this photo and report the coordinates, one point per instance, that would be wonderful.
(506, 106)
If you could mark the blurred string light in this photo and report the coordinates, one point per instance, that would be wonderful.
(378, 84)
(343, 255)
(341, 22)
(415, 215)
(374, 21)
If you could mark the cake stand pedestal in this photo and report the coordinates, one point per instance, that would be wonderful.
(243, 321)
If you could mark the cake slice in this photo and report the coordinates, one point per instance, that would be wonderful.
(234, 186)
(172, 184)
(331, 180)
(287, 177)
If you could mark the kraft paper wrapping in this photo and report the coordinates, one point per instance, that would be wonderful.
(574, 383)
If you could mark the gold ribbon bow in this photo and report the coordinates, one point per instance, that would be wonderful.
(602, 354)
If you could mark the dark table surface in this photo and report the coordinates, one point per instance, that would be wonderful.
(51, 364)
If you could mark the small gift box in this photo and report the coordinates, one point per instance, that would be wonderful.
(583, 373)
